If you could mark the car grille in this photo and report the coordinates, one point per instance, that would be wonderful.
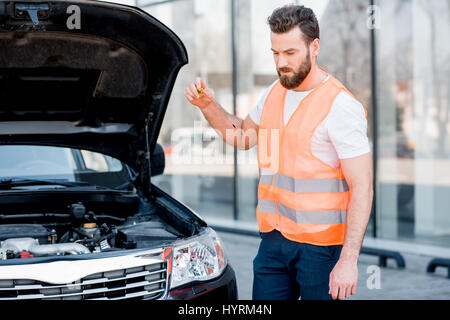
(146, 282)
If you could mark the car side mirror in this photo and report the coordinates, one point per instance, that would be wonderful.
(158, 160)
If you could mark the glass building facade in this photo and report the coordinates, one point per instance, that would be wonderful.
(393, 55)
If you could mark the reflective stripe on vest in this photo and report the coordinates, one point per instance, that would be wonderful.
(303, 185)
(304, 217)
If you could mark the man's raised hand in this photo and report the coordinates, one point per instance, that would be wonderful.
(199, 94)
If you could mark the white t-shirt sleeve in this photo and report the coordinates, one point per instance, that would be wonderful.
(256, 112)
(347, 127)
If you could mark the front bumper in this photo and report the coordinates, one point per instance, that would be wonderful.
(223, 288)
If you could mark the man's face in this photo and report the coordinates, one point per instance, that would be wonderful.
(292, 57)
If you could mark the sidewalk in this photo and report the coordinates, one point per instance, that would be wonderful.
(410, 283)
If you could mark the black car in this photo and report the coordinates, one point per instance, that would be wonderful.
(84, 86)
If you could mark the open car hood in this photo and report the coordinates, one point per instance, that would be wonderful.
(85, 74)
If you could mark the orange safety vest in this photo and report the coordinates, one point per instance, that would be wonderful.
(304, 197)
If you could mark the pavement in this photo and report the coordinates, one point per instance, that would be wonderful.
(374, 283)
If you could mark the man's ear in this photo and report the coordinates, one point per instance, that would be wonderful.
(314, 47)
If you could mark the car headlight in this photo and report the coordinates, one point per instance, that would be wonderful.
(202, 258)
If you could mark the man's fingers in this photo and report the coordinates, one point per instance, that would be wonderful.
(201, 89)
(193, 90)
(198, 83)
(330, 285)
(345, 291)
(334, 290)
(189, 94)
(197, 91)
(353, 291)
(348, 291)
(203, 84)
(341, 295)
(340, 291)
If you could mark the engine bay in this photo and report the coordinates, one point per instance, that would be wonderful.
(80, 231)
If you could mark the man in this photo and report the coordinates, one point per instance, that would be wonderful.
(315, 188)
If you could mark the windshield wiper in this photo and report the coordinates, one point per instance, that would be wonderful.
(10, 183)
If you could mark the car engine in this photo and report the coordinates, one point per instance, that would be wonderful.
(80, 232)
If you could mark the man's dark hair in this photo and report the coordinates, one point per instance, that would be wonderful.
(287, 17)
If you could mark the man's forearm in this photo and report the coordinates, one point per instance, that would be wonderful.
(228, 126)
(242, 134)
(358, 214)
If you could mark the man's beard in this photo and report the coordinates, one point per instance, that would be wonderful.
(292, 82)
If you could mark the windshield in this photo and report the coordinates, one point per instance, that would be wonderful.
(66, 164)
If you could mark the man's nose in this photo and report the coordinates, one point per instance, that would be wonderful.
(282, 62)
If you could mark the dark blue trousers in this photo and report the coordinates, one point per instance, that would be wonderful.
(286, 270)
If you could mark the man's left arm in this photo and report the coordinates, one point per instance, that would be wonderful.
(358, 173)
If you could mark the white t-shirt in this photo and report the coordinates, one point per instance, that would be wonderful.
(341, 135)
